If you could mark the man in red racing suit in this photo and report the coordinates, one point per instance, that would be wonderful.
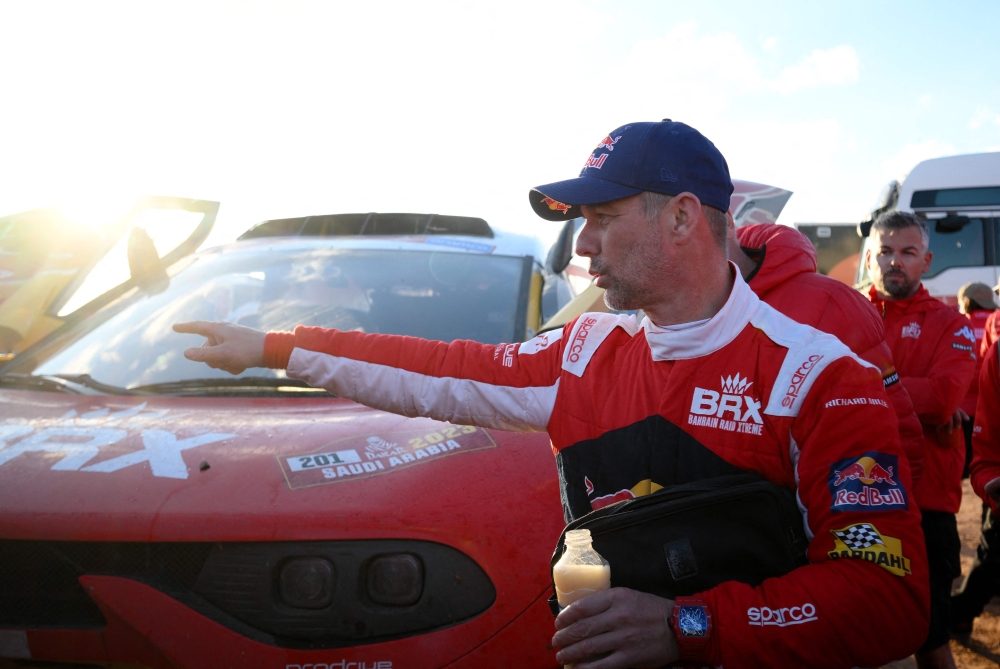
(985, 468)
(711, 382)
(779, 264)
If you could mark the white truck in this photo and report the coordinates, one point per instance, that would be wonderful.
(959, 196)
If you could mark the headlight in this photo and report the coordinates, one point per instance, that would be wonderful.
(395, 580)
(307, 583)
(329, 594)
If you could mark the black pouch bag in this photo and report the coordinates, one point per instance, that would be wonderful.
(685, 539)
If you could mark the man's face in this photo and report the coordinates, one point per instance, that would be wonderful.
(626, 252)
(896, 261)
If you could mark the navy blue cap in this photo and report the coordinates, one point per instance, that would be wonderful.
(665, 157)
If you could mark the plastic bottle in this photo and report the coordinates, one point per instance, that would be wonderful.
(581, 571)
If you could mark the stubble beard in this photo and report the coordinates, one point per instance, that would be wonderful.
(897, 285)
(625, 289)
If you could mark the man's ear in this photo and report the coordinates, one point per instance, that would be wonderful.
(928, 257)
(868, 259)
(685, 210)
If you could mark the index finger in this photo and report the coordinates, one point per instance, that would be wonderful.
(590, 605)
(203, 328)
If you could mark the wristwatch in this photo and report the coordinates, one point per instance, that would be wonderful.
(692, 625)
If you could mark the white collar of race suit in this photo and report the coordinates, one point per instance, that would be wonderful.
(708, 337)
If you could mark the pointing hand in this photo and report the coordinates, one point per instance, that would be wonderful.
(231, 348)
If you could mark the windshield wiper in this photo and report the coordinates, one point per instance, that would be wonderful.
(88, 381)
(232, 386)
(77, 384)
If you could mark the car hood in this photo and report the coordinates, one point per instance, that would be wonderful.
(111, 468)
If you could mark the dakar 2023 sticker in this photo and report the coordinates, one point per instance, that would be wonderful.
(362, 457)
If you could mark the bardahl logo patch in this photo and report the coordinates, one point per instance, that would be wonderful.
(863, 541)
(866, 483)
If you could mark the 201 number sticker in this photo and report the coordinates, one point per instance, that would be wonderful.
(366, 456)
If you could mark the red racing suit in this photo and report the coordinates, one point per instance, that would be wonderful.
(986, 433)
(932, 345)
(633, 407)
(991, 333)
(786, 279)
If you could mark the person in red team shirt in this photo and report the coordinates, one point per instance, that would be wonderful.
(711, 382)
(779, 264)
(932, 346)
(985, 469)
(984, 579)
(977, 301)
(991, 328)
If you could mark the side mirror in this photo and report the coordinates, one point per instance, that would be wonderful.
(865, 228)
(950, 223)
(144, 263)
(562, 251)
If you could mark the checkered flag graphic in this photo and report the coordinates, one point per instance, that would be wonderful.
(859, 536)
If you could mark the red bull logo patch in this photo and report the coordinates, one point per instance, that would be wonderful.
(555, 205)
(640, 489)
(863, 541)
(868, 483)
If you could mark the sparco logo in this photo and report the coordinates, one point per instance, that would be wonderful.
(798, 378)
(576, 346)
(709, 408)
(795, 615)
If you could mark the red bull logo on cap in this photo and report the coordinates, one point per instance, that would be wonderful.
(555, 205)
(868, 483)
(608, 143)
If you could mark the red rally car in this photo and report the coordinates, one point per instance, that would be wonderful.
(158, 512)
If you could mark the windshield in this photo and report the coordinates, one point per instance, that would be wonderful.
(434, 295)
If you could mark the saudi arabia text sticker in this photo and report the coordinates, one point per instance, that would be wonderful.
(361, 457)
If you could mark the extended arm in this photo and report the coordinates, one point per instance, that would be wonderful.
(507, 386)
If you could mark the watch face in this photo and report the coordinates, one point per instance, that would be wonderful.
(692, 621)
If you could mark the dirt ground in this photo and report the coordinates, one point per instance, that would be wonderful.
(982, 649)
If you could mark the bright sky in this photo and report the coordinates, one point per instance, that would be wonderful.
(290, 108)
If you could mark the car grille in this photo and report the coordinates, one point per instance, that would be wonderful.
(245, 586)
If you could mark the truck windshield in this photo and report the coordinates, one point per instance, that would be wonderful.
(434, 295)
